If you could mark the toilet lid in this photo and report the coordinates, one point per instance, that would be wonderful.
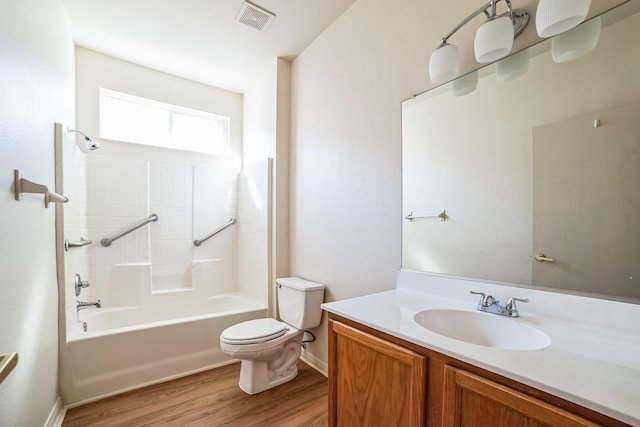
(254, 331)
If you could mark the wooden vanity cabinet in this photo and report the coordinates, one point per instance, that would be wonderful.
(376, 379)
(468, 398)
(373, 381)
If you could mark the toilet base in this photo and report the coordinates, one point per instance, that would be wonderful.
(257, 376)
(253, 386)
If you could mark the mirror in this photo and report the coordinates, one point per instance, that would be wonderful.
(543, 166)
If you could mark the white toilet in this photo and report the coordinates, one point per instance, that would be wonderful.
(269, 349)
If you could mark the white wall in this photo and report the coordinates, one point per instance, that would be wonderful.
(265, 135)
(36, 88)
(95, 70)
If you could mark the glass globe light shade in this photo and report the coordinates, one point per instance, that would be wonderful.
(576, 42)
(494, 40)
(557, 16)
(465, 84)
(513, 66)
(444, 64)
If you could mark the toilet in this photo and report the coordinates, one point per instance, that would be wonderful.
(268, 348)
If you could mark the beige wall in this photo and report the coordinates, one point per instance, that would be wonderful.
(36, 90)
(347, 87)
(346, 156)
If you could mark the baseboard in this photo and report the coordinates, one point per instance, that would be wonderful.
(56, 416)
(316, 363)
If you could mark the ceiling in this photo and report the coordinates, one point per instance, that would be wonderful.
(200, 39)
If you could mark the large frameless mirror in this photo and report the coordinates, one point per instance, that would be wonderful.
(532, 176)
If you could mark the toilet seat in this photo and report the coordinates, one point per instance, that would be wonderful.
(253, 331)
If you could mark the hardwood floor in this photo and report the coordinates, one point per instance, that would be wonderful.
(211, 398)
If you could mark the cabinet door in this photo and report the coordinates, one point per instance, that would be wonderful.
(373, 382)
(471, 400)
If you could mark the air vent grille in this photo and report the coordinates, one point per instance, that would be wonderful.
(255, 16)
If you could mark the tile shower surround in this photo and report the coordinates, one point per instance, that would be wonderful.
(191, 201)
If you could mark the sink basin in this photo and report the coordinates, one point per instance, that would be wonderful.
(489, 330)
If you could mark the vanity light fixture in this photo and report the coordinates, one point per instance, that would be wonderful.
(465, 84)
(494, 40)
(513, 66)
(576, 42)
(557, 16)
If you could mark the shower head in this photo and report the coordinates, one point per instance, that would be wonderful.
(91, 144)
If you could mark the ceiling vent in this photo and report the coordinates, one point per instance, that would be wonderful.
(255, 16)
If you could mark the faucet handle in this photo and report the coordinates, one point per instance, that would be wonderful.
(511, 308)
(486, 300)
(78, 284)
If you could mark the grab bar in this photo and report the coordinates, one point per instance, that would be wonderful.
(107, 241)
(213, 233)
(442, 215)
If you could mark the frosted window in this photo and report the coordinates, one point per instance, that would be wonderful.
(128, 121)
(201, 134)
(138, 120)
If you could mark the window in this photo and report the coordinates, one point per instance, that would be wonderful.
(138, 120)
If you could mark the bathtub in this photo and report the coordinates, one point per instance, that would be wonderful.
(129, 347)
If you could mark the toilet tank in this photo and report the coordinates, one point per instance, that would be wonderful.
(299, 302)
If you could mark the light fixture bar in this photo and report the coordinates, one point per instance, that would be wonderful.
(470, 17)
(519, 17)
(494, 40)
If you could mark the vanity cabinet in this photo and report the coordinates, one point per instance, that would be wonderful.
(373, 381)
(376, 379)
(468, 398)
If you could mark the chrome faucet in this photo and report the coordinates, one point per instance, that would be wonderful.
(489, 304)
(82, 305)
(79, 284)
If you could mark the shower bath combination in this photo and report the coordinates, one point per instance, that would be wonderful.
(164, 299)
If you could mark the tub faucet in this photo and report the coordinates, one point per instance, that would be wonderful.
(82, 305)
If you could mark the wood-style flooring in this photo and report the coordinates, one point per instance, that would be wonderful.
(211, 398)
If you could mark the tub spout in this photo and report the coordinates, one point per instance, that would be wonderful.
(82, 305)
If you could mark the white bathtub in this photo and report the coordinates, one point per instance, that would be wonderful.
(129, 347)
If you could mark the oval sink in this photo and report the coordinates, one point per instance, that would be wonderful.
(489, 330)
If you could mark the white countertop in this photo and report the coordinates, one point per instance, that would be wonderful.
(593, 358)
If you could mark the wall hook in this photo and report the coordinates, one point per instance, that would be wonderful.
(22, 185)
